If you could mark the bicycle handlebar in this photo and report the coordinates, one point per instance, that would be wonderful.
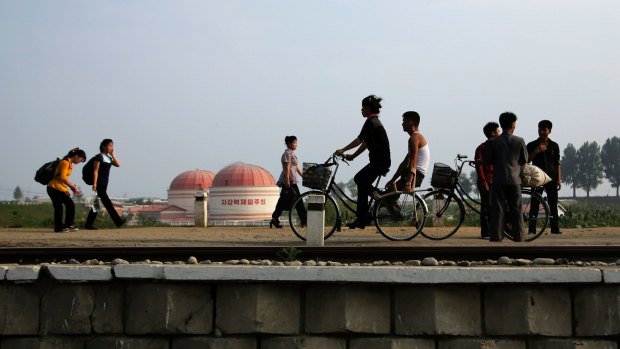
(333, 160)
(461, 158)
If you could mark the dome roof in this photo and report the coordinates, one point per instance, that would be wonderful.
(243, 175)
(193, 180)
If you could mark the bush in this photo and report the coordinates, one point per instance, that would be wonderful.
(589, 213)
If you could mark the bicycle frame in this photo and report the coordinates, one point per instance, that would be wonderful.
(338, 192)
(458, 188)
(461, 199)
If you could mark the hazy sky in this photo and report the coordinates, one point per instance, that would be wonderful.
(181, 85)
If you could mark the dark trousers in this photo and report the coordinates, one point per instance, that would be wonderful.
(505, 198)
(552, 200)
(301, 210)
(107, 203)
(485, 203)
(365, 179)
(59, 199)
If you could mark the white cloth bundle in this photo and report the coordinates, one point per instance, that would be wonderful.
(534, 176)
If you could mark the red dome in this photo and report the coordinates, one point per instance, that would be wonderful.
(193, 180)
(243, 175)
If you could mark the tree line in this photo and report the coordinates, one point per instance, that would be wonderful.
(586, 167)
(583, 168)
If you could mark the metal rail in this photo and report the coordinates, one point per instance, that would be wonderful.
(23, 255)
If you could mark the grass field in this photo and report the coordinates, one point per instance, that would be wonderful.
(41, 215)
(582, 212)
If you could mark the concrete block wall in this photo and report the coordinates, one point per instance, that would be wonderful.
(162, 310)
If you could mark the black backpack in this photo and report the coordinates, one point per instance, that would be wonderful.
(87, 171)
(46, 172)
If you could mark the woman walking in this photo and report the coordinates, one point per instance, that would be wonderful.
(288, 181)
(101, 174)
(58, 191)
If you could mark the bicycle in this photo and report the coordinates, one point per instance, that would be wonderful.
(447, 201)
(397, 215)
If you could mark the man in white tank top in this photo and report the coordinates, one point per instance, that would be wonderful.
(413, 168)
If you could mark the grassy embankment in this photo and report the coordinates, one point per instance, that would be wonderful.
(582, 212)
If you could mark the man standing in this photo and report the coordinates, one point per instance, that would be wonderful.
(485, 178)
(507, 153)
(545, 154)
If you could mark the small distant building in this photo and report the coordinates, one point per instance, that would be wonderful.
(167, 214)
(242, 193)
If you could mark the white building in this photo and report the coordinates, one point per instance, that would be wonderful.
(242, 192)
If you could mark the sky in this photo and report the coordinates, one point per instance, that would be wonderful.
(183, 85)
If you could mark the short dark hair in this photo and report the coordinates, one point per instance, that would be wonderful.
(413, 117)
(104, 144)
(289, 139)
(489, 128)
(506, 119)
(76, 151)
(373, 102)
(545, 124)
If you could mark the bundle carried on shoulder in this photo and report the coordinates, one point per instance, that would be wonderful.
(534, 176)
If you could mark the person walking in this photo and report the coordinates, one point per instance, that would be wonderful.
(545, 154)
(101, 175)
(288, 181)
(374, 138)
(58, 191)
(507, 153)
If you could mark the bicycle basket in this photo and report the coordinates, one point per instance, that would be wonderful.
(443, 176)
(316, 176)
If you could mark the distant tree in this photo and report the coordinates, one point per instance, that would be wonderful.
(569, 167)
(352, 187)
(466, 183)
(473, 177)
(610, 157)
(589, 168)
(17, 193)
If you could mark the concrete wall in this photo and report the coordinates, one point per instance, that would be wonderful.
(219, 307)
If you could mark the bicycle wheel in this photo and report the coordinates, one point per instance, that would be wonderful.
(535, 212)
(332, 215)
(400, 216)
(445, 214)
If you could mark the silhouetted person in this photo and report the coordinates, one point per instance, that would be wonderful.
(545, 154)
(374, 138)
(507, 153)
(415, 164)
(485, 178)
(58, 191)
(288, 179)
(101, 175)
